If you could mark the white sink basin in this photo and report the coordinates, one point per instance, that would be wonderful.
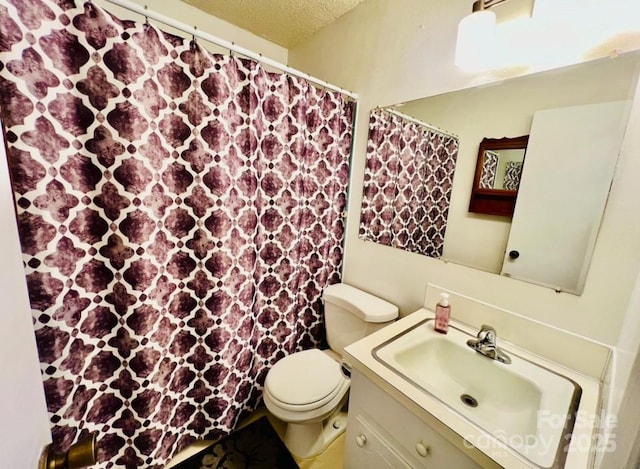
(528, 407)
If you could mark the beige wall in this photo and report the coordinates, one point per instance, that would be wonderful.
(390, 52)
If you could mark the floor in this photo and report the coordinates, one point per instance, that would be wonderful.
(256, 446)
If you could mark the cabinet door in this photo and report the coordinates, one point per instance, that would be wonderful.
(393, 434)
(570, 162)
(369, 450)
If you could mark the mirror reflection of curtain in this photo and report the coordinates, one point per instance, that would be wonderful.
(407, 184)
(489, 168)
(512, 175)
(380, 177)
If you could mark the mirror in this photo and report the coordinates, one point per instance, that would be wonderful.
(568, 157)
(498, 174)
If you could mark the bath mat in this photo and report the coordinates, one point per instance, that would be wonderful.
(256, 446)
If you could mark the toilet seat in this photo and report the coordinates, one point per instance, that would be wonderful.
(305, 385)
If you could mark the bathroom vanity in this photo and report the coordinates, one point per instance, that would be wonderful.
(387, 431)
(423, 399)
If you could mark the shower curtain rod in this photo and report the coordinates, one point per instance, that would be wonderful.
(194, 31)
(424, 124)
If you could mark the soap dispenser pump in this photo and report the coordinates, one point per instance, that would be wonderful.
(443, 314)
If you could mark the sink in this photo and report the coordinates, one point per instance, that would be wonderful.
(526, 406)
(500, 398)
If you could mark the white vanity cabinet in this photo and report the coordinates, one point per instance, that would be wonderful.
(382, 433)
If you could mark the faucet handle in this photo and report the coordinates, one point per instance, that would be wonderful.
(487, 334)
(486, 345)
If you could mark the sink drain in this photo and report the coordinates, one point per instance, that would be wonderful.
(469, 400)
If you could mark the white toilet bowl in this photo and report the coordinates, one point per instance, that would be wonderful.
(307, 389)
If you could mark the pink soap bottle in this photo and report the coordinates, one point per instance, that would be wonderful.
(443, 314)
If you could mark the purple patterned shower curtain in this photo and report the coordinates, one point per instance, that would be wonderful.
(512, 175)
(407, 184)
(380, 175)
(489, 170)
(179, 213)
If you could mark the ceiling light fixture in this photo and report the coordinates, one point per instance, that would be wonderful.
(477, 47)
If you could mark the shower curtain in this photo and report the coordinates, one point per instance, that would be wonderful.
(407, 184)
(512, 175)
(179, 214)
(489, 170)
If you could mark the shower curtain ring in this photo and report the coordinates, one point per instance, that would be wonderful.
(194, 39)
(146, 18)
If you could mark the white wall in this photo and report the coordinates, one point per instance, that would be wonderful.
(623, 446)
(624, 379)
(391, 52)
(24, 426)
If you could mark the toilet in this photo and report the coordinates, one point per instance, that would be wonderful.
(307, 390)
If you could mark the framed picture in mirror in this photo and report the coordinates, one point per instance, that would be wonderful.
(497, 177)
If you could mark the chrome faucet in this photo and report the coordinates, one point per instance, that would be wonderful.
(486, 345)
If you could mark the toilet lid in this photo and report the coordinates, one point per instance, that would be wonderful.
(304, 377)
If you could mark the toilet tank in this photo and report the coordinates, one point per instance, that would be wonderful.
(351, 314)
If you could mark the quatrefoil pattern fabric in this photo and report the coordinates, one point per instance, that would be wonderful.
(512, 175)
(179, 214)
(489, 170)
(408, 181)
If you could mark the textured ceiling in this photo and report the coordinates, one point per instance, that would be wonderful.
(285, 22)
